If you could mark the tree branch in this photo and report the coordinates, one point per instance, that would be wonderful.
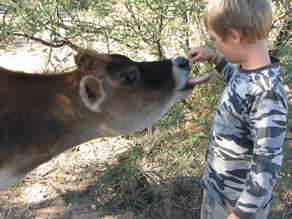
(61, 43)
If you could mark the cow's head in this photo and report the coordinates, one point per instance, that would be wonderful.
(131, 95)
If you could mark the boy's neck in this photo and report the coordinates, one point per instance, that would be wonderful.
(255, 55)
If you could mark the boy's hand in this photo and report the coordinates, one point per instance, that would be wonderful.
(200, 54)
(233, 216)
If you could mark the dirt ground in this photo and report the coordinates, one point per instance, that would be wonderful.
(67, 187)
(53, 190)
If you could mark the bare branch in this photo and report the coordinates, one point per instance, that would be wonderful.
(61, 43)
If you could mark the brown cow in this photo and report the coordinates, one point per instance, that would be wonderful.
(43, 115)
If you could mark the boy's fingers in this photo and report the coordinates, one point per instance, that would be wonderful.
(193, 56)
(192, 53)
(194, 59)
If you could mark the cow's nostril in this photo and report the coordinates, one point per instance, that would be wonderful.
(182, 62)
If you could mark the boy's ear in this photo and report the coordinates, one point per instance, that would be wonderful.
(235, 35)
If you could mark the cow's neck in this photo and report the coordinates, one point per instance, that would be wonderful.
(51, 99)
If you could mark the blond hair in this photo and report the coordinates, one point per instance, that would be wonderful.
(252, 17)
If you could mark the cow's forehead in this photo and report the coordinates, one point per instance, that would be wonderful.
(121, 58)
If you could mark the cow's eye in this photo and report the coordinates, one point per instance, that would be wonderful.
(132, 77)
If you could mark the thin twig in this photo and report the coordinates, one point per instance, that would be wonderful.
(140, 190)
(46, 43)
(286, 214)
(129, 197)
(188, 209)
(188, 114)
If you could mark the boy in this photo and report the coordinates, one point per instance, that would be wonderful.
(244, 152)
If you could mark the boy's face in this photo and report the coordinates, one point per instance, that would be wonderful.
(229, 47)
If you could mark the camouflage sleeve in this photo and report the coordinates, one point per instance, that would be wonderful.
(267, 119)
(226, 69)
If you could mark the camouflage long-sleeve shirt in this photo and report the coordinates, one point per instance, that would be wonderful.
(244, 153)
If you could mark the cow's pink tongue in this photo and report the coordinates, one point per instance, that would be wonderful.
(200, 80)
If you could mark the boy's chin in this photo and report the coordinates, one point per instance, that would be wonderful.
(233, 60)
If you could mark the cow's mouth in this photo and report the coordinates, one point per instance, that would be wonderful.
(192, 82)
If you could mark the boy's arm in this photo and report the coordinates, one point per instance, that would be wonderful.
(267, 119)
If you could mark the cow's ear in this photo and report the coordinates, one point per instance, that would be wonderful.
(91, 92)
(85, 59)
